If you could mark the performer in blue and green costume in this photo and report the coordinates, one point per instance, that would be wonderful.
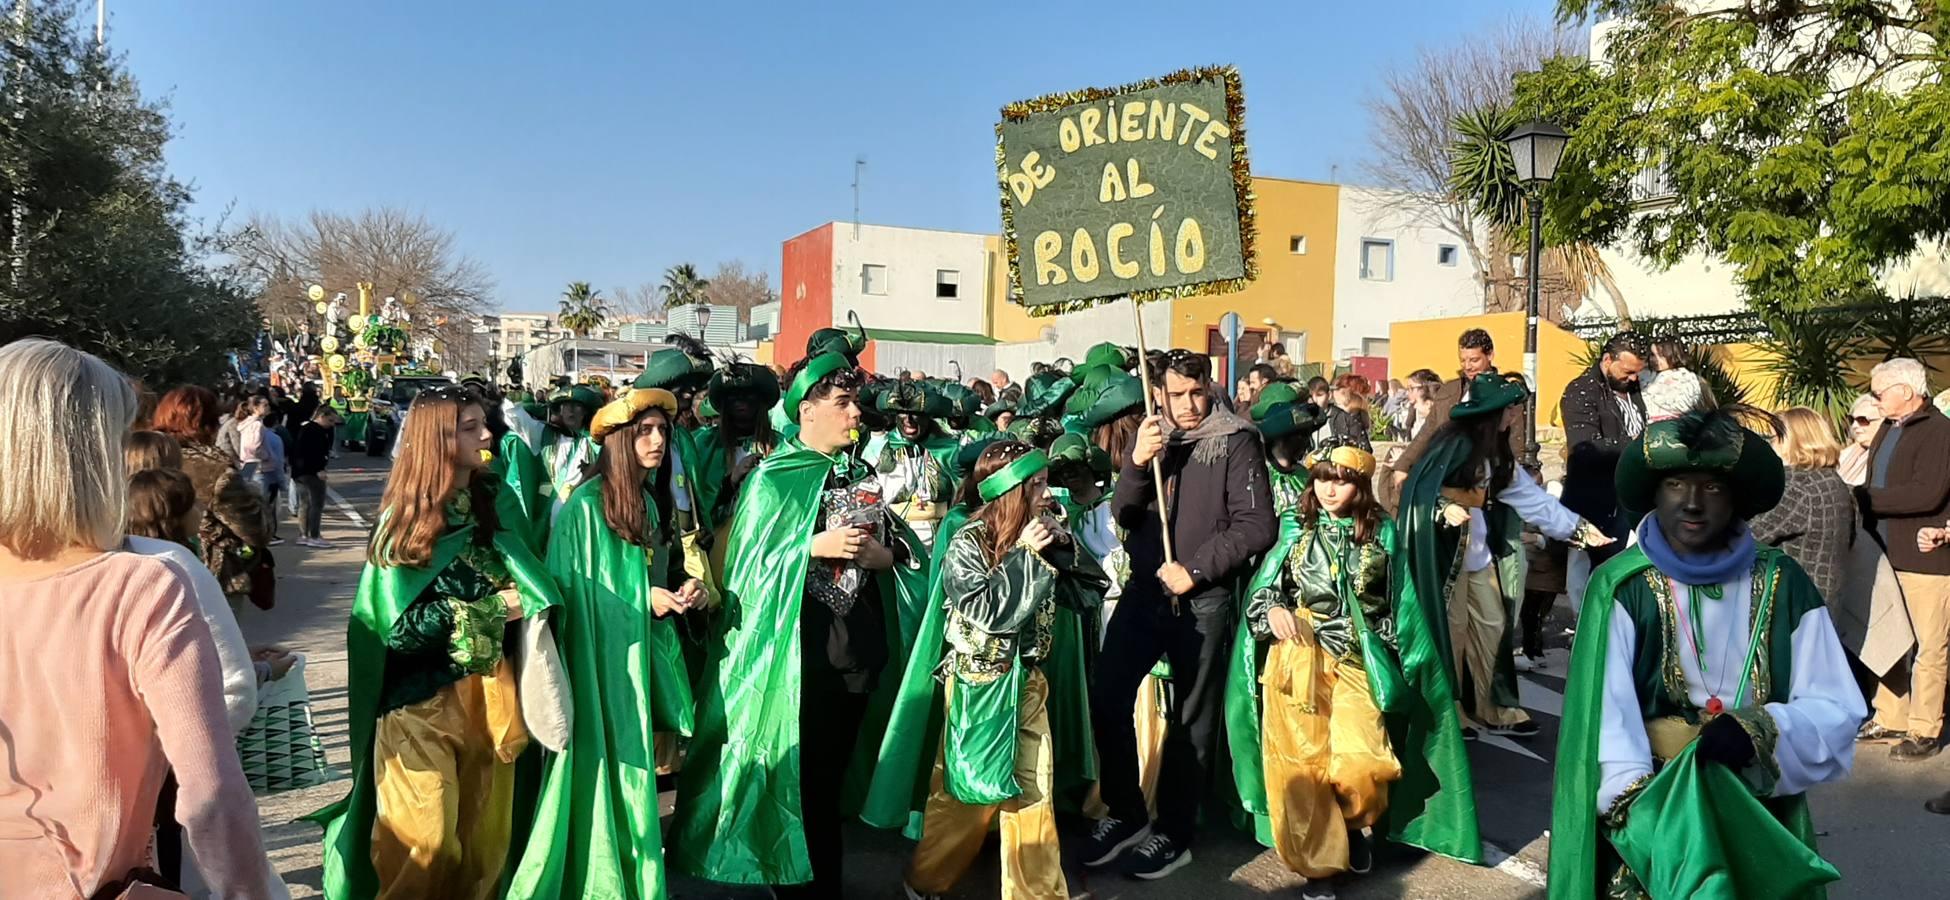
(1708, 689)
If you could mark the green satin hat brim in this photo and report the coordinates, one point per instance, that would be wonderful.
(1757, 476)
(1275, 394)
(1120, 398)
(1289, 418)
(580, 394)
(1045, 395)
(1490, 393)
(672, 368)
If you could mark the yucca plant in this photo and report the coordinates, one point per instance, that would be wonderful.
(1810, 356)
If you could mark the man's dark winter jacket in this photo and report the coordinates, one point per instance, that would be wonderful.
(1222, 515)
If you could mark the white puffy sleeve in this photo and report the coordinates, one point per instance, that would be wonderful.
(1824, 708)
(1624, 751)
(1536, 506)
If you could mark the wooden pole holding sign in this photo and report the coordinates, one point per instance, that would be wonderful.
(1157, 463)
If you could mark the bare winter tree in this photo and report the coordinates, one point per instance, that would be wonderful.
(733, 285)
(1412, 129)
(401, 253)
(643, 301)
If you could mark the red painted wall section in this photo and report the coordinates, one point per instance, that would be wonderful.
(806, 287)
(1373, 368)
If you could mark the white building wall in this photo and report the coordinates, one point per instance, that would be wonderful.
(1421, 285)
(1073, 334)
(912, 257)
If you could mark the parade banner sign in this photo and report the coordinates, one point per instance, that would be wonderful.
(1139, 191)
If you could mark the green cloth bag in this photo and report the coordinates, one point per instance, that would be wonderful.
(1697, 831)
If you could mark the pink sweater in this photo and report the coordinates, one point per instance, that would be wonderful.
(108, 680)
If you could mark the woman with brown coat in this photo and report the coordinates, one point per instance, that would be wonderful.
(231, 536)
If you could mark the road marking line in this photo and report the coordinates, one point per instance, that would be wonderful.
(1515, 866)
(1503, 743)
(1541, 699)
(344, 506)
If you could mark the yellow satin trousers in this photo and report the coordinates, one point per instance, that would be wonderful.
(952, 832)
(1328, 763)
(444, 775)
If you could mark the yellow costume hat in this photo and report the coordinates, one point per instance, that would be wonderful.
(624, 410)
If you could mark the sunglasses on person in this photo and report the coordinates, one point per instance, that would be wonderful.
(1863, 421)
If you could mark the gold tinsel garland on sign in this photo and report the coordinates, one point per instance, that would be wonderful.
(1242, 185)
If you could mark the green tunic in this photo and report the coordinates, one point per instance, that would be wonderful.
(974, 631)
(385, 593)
(596, 831)
(738, 818)
(1712, 836)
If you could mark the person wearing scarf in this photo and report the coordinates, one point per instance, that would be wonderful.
(1457, 580)
(823, 590)
(1708, 689)
(436, 719)
(1004, 577)
(625, 579)
(1220, 516)
(916, 465)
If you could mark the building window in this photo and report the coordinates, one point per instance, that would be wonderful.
(947, 284)
(1297, 245)
(1446, 254)
(1377, 259)
(1374, 347)
(873, 279)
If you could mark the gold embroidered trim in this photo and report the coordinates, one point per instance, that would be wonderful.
(1615, 813)
(1766, 735)
(1675, 676)
(1762, 612)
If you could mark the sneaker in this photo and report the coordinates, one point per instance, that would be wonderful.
(1872, 732)
(913, 894)
(319, 544)
(1940, 804)
(1157, 857)
(1112, 837)
(1318, 889)
(1914, 750)
(1527, 663)
(1360, 852)
(275, 542)
(1524, 730)
(1469, 733)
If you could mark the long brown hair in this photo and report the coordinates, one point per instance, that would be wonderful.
(1006, 515)
(147, 450)
(623, 476)
(1366, 511)
(160, 501)
(1117, 436)
(413, 510)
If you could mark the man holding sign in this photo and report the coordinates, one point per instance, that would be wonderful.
(1221, 513)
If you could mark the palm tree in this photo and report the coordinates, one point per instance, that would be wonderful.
(683, 286)
(583, 309)
(1482, 171)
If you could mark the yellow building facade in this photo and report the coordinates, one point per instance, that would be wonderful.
(1297, 224)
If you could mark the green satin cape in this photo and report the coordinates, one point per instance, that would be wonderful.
(384, 593)
(1433, 806)
(738, 818)
(1696, 830)
(596, 830)
(522, 478)
(1242, 710)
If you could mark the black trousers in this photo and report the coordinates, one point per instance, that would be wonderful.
(1195, 642)
(829, 727)
(311, 503)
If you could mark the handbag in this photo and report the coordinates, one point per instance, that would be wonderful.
(280, 749)
(547, 706)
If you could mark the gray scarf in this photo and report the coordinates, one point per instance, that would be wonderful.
(1213, 435)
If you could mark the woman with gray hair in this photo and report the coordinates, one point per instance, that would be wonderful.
(78, 796)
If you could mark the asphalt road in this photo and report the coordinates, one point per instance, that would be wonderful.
(1872, 826)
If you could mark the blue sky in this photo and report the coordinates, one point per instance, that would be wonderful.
(606, 141)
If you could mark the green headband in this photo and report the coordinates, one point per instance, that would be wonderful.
(821, 366)
(1011, 476)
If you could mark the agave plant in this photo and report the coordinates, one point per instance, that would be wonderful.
(1909, 327)
(1809, 357)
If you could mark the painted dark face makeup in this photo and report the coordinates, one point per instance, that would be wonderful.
(1695, 511)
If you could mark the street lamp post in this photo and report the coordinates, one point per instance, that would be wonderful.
(703, 319)
(1536, 147)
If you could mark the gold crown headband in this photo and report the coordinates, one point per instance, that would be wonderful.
(1346, 457)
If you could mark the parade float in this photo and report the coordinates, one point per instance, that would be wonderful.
(372, 363)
